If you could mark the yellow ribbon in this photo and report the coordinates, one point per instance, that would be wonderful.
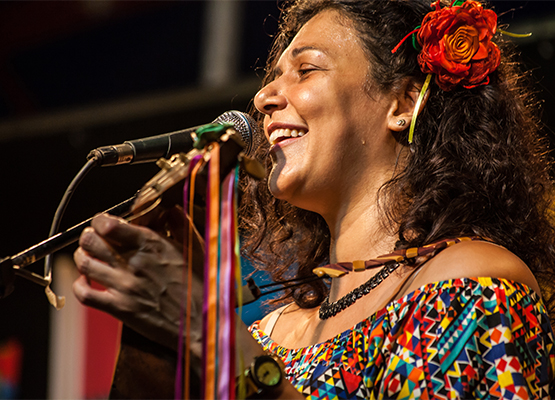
(516, 35)
(417, 106)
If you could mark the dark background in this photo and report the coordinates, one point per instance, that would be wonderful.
(75, 75)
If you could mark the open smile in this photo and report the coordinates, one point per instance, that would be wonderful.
(279, 135)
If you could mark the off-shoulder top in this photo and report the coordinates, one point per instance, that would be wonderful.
(470, 338)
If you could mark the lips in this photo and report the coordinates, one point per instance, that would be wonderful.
(281, 134)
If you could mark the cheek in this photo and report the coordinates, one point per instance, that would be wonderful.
(309, 100)
(306, 96)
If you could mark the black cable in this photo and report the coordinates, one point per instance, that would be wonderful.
(302, 281)
(63, 205)
(309, 278)
(251, 291)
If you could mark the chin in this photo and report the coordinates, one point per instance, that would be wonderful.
(287, 194)
(289, 188)
(274, 186)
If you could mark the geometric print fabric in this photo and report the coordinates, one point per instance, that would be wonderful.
(470, 338)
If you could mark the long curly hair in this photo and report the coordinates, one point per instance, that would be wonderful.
(477, 166)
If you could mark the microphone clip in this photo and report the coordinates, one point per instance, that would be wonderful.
(210, 133)
(176, 168)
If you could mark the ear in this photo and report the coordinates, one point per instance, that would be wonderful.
(403, 104)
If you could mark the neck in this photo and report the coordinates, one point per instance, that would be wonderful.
(360, 235)
(357, 233)
(357, 228)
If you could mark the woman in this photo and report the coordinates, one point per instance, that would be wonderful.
(349, 182)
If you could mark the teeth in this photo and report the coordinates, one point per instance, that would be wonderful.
(285, 133)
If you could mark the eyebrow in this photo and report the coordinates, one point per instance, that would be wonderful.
(295, 52)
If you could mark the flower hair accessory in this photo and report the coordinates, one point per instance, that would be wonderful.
(454, 43)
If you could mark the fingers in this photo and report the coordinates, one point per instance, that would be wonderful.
(89, 296)
(113, 301)
(109, 238)
(115, 253)
(95, 269)
(118, 232)
(99, 256)
(94, 245)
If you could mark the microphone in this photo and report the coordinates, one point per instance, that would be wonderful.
(152, 148)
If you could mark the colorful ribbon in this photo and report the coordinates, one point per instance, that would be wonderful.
(220, 270)
(185, 315)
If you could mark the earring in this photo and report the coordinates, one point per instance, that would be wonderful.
(401, 122)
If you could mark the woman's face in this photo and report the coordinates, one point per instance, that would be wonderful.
(328, 135)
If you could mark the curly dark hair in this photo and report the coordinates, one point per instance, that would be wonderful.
(477, 167)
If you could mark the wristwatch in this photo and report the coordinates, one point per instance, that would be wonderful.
(264, 376)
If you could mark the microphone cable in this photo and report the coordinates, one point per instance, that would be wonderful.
(252, 292)
(55, 226)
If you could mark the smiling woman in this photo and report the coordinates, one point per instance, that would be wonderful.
(353, 187)
(436, 237)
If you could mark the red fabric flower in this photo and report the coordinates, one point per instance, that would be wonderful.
(456, 45)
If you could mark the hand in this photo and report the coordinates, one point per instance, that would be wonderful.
(142, 274)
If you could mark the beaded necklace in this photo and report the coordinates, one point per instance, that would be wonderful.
(389, 262)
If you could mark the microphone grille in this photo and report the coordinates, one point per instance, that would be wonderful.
(244, 124)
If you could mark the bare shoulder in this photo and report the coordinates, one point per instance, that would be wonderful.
(264, 321)
(475, 259)
(277, 313)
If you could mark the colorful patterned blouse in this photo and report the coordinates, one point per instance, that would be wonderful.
(457, 339)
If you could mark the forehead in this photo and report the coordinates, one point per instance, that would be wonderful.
(327, 32)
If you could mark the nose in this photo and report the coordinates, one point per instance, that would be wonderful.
(269, 99)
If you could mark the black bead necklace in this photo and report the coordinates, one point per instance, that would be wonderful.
(328, 310)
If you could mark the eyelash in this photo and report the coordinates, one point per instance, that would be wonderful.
(306, 70)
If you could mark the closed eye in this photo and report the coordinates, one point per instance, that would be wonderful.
(303, 71)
